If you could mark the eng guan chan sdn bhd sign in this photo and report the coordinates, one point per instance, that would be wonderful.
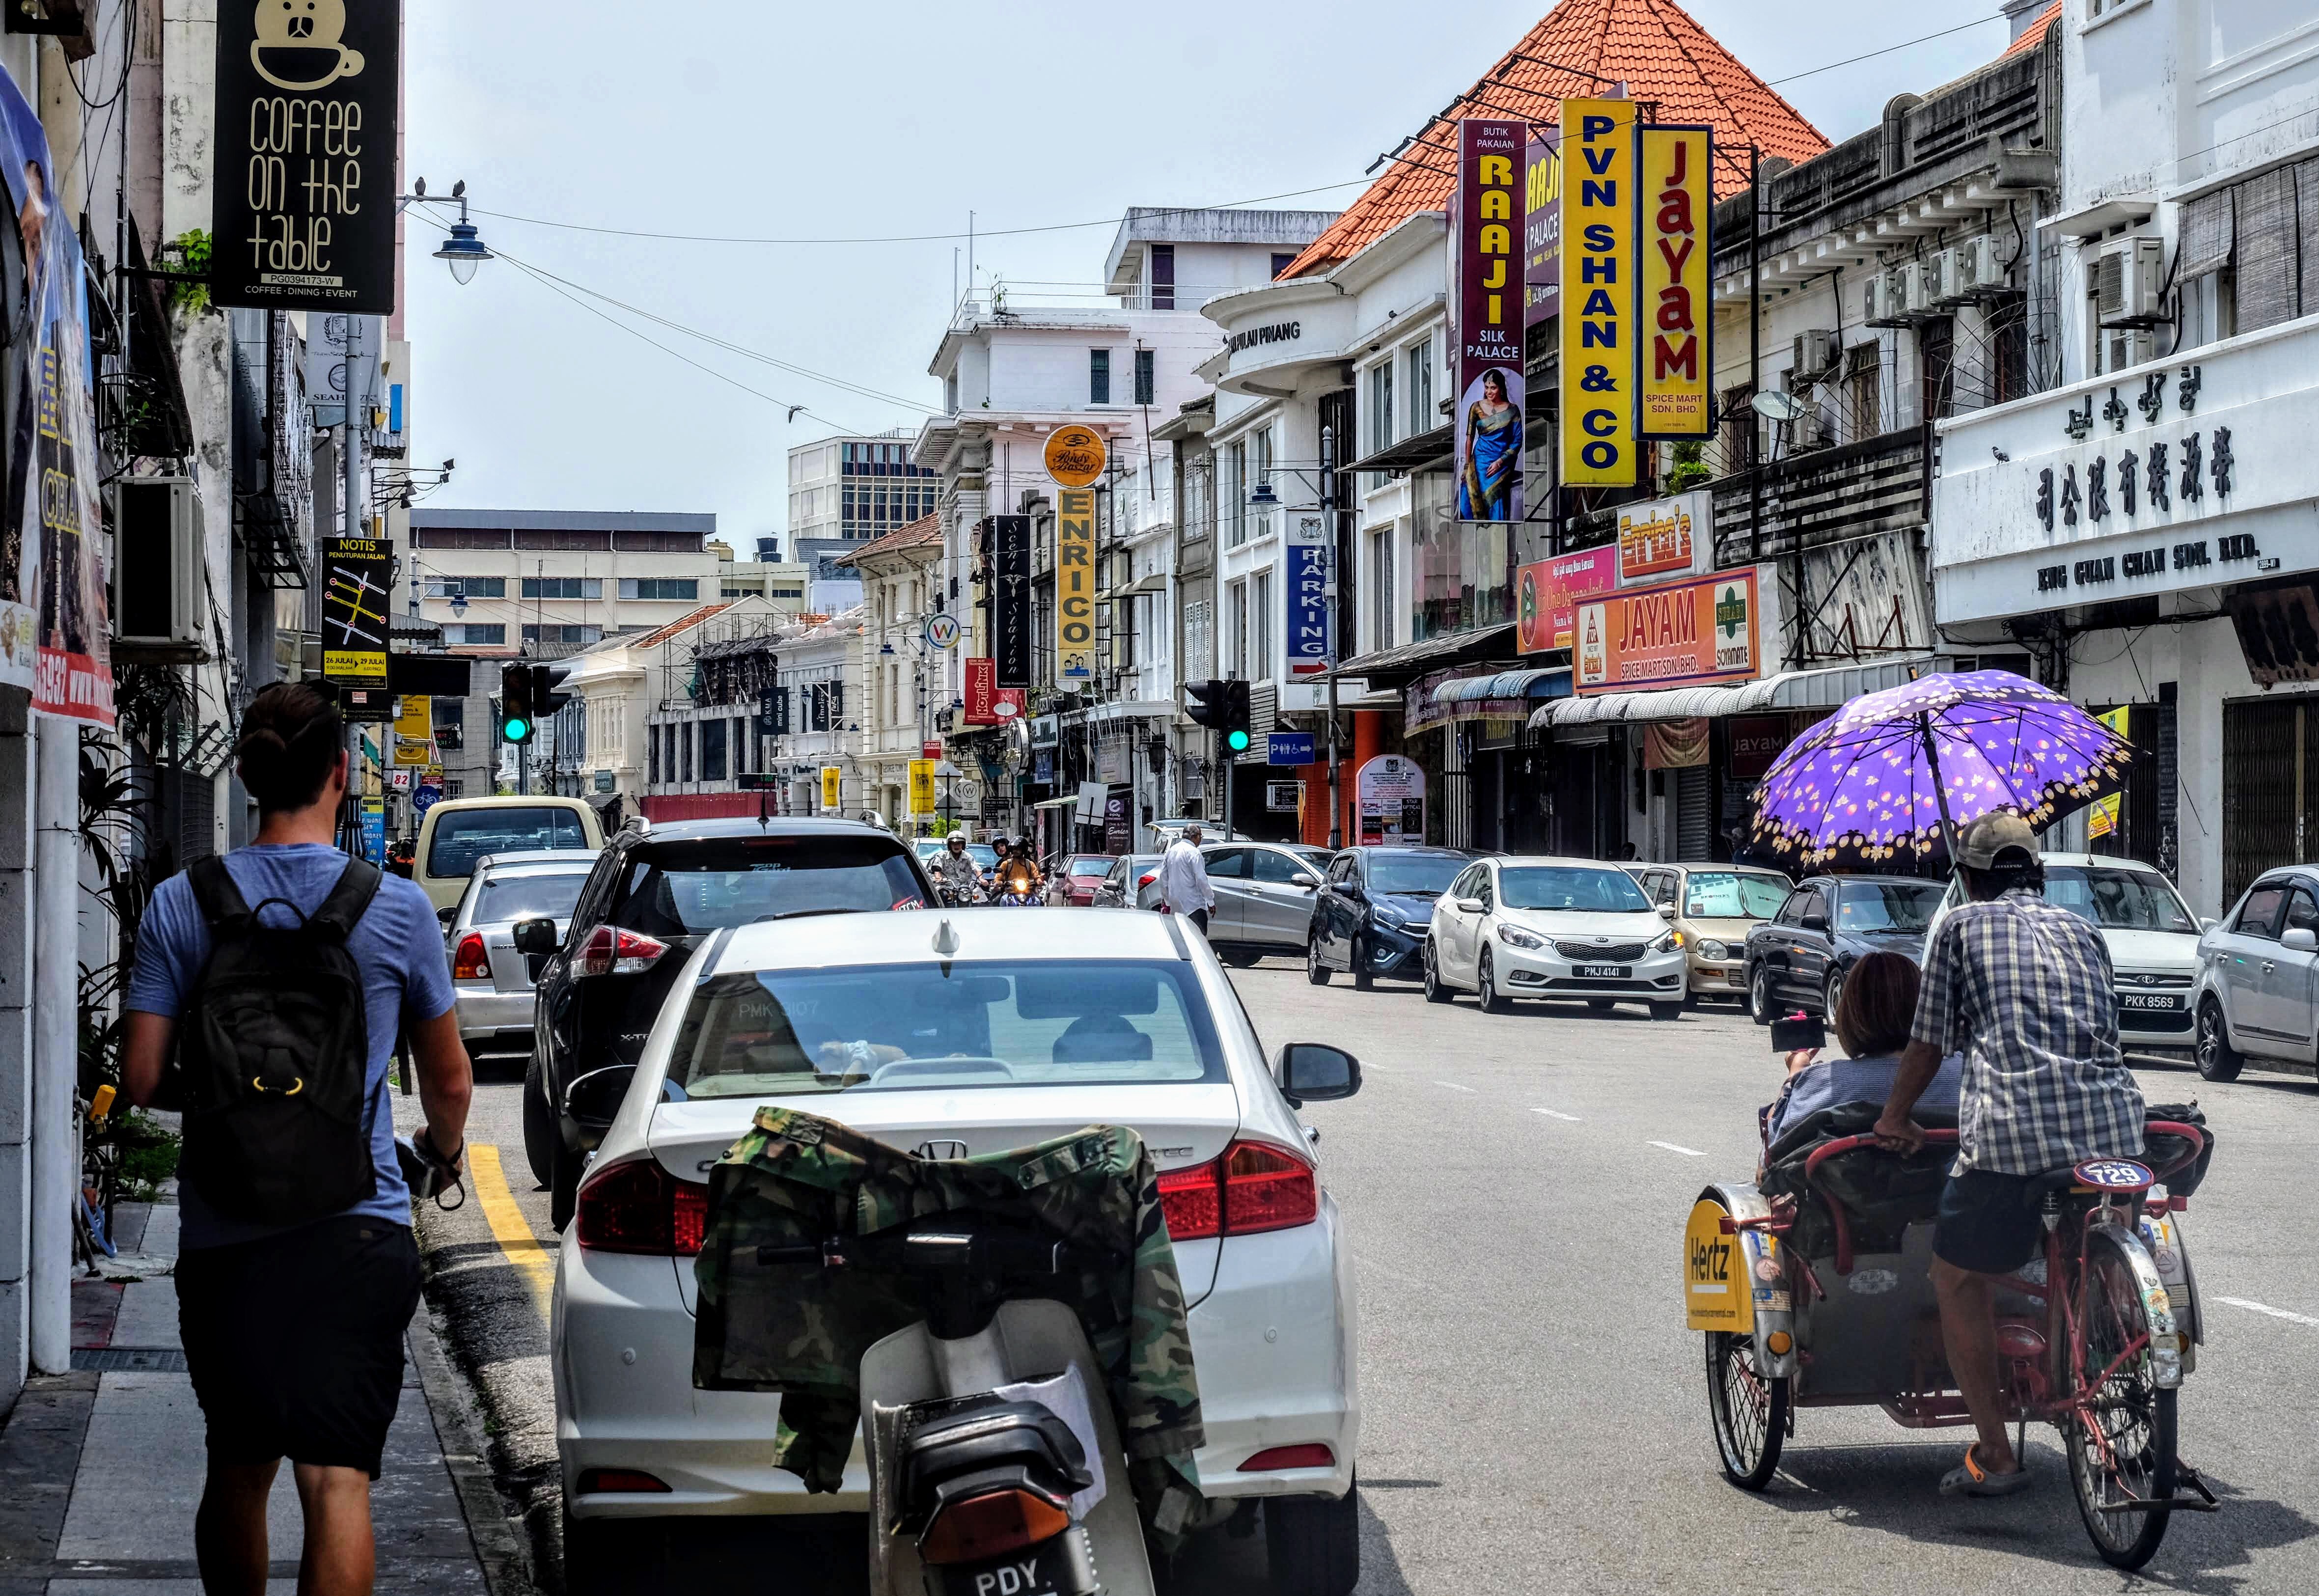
(2197, 473)
(1598, 293)
(303, 189)
(1488, 226)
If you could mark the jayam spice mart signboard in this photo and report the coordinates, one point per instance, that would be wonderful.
(1674, 349)
(302, 194)
(53, 622)
(1680, 633)
(1490, 294)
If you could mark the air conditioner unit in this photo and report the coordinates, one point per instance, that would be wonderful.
(1946, 271)
(2126, 278)
(160, 597)
(1880, 299)
(1983, 264)
(2123, 347)
(1816, 353)
(1916, 287)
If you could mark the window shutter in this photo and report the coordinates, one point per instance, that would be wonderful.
(2267, 273)
(2307, 201)
(2206, 238)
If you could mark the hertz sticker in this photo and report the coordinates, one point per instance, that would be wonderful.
(1715, 1294)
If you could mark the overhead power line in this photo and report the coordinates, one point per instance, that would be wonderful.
(1905, 44)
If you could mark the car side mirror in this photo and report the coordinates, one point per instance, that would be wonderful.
(1472, 905)
(594, 1099)
(1304, 881)
(1316, 1072)
(2206, 923)
(1667, 911)
(536, 938)
(1815, 918)
(2300, 939)
(446, 915)
(1352, 891)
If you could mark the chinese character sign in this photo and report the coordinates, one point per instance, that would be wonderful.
(1598, 293)
(1490, 209)
(53, 622)
(1673, 345)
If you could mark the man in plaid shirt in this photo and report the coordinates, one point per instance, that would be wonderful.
(2024, 991)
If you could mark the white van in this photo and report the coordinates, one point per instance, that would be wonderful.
(458, 832)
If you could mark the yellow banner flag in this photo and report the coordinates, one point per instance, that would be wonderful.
(830, 799)
(922, 787)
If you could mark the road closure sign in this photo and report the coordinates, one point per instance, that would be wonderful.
(356, 572)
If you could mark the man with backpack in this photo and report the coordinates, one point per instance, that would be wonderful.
(280, 976)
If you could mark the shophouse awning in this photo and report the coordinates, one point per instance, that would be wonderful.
(1433, 654)
(1828, 688)
(1506, 684)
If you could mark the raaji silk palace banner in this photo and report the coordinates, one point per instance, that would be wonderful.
(53, 622)
(1490, 211)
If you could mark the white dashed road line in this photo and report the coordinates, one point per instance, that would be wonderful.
(2301, 1318)
(1554, 1115)
(1688, 1152)
(1453, 1085)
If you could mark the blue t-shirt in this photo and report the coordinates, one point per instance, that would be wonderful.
(398, 945)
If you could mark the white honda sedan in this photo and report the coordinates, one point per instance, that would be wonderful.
(1568, 928)
(965, 1057)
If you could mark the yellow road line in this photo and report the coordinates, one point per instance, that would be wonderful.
(526, 1251)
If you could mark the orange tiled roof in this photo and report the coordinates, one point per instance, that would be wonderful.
(927, 528)
(2034, 34)
(1652, 45)
(655, 638)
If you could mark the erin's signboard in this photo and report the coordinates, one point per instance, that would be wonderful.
(1679, 633)
(303, 192)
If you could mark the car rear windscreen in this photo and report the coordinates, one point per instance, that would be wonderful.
(683, 888)
(783, 1033)
(462, 836)
(528, 897)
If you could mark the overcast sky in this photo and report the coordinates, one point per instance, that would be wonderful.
(771, 118)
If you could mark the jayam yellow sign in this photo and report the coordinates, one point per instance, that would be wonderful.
(1673, 345)
(1598, 293)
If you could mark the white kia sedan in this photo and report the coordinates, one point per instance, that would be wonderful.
(977, 1038)
(1561, 928)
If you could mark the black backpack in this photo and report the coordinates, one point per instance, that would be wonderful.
(274, 1053)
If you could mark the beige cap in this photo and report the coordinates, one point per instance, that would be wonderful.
(1996, 832)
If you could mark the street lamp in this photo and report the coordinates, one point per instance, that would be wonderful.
(465, 249)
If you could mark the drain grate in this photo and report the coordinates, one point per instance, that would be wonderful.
(144, 1360)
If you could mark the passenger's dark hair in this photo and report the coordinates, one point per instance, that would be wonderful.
(1878, 1005)
(291, 736)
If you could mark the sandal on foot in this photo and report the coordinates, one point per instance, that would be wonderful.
(1970, 1479)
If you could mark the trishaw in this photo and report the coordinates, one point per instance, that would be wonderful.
(1813, 1287)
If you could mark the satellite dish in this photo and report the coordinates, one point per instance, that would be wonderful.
(1775, 406)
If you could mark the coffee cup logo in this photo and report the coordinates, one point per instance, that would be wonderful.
(297, 45)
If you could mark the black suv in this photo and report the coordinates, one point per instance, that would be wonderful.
(657, 894)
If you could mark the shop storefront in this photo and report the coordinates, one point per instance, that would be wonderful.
(2152, 538)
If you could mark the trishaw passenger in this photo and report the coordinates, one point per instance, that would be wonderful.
(2024, 988)
(1873, 1017)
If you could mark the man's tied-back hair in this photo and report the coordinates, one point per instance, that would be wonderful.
(290, 736)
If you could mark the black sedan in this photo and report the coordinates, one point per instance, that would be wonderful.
(1799, 959)
(1374, 910)
(656, 893)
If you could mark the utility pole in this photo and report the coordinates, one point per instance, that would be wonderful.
(355, 522)
(1336, 596)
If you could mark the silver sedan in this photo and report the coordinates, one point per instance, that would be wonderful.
(491, 982)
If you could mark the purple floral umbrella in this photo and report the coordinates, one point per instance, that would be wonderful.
(1878, 784)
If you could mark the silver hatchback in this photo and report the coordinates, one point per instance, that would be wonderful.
(491, 982)
(1265, 893)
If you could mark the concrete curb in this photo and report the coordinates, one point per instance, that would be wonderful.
(502, 1546)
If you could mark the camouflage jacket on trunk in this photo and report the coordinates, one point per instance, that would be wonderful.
(802, 1330)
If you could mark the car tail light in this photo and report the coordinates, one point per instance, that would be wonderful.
(638, 1206)
(610, 951)
(595, 1481)
(1253, 1186)
(471, 963)
(1311, 1455)
(1146, 879)
(991, 1526)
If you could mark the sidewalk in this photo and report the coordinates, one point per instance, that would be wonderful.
(101, 1469)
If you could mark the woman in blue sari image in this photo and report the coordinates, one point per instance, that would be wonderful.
(1493, 441)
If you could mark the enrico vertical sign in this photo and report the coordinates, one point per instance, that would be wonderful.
(1075, 585)
(1675, 347)
(1598, 293)
(302, 194)
(1490, 299)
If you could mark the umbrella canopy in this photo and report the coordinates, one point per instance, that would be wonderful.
(1873, 786)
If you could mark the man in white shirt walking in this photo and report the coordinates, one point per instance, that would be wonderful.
(1184, 887)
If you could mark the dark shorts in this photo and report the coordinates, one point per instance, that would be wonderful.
(295, 1342)
(1984, 1225)
(1198, 917)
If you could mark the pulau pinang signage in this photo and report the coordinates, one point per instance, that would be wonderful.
(303, 192)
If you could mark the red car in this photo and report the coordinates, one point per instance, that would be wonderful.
(1075, 882)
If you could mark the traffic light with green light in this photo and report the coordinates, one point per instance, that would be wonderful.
(1234, 727)
(518, 717)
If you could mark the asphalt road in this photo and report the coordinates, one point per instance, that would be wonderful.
(1535, 1412)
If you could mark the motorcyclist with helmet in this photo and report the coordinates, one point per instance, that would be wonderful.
(955, 873)
(1018, 876)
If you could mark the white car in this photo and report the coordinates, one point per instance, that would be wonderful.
(1564, 928)
(2151, 933)
(1015, 1057)
(492, 987)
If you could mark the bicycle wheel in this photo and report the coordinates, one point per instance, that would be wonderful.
(2121, 1443)
(1750, 1411)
